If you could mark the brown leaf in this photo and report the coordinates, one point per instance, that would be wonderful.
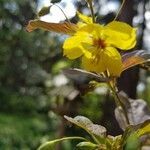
(65, 28)
(134, 58)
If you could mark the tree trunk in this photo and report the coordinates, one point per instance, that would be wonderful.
(129, 79)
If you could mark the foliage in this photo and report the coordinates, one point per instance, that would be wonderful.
(99, 139)
(24, 69)
(19, 131)
(35, 94)
(98, 46)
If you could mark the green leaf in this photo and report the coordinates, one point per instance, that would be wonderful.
(97, 132)
(65, 28)
(86, 146)
(136, 131)
(51, 144)
(44, 11)
(134, 58)
(142, 129)
(132, 143)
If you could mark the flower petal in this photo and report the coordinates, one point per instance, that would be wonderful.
(112, 61)
(78, 44)
(90, 32)
(120, 35)
(84, 18)
(90, 64)
(72, 47)
(93, 28)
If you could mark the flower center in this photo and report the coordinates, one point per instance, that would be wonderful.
(99, 43)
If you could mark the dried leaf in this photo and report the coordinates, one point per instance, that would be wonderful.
(65, 28)
(134, 58)
(137, 111)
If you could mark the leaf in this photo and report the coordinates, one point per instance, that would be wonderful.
(136, 131)
(83, 76)
(65, 28)
(132, 143)
(51, 144)
(134, 58)
(137, 111)
(83, 80)
(44, 11)
(142, 129)
(97, 132)
(86, 146)
(80, 121)
(55, 1)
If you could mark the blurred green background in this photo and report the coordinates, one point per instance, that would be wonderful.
(34, 94)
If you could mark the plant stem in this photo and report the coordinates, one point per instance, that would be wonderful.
(62, 12)
(123, 2)
(118, 102)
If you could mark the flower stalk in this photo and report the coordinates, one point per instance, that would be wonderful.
(123, 2)
(118, 101)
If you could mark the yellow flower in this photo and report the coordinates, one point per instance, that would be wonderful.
(97, 45)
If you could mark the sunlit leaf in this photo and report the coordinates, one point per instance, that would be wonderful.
(44, 11)
(97, 132)
(142, 129)
(51, 144)
(136, 131)
(65, 28)
(134, 58)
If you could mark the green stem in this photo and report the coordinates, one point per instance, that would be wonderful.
(51, 144)
(119, 103)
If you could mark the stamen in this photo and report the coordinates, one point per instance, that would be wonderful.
(99, 43)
